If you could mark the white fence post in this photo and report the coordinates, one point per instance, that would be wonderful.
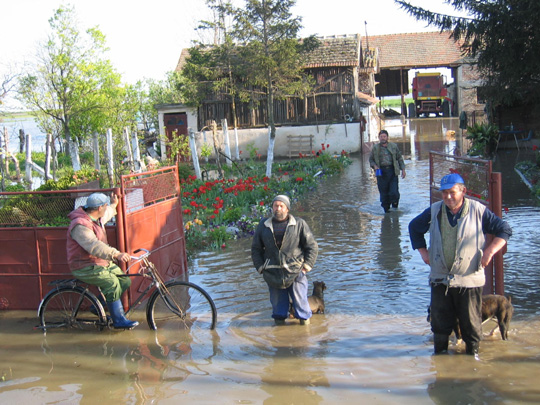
(236, 142)
(137, 162)
(48, 150)
(110, 164)
(28, 176)
(127, 147)
(194, 154)
(95, 144)
(225, 129)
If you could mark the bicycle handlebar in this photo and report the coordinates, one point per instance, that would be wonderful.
(139, 258)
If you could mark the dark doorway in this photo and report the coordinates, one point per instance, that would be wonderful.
(176, 122)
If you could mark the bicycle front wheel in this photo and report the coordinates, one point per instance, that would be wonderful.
(181, 305)
(71, 308)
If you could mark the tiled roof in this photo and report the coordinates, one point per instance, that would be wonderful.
(182, 59)
(422, 49)
(342, 50)
(335, 51)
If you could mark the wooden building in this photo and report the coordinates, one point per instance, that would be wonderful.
(344, 85)
(349, 72)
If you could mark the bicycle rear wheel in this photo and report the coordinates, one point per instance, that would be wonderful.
(71, 308)
(181, 305)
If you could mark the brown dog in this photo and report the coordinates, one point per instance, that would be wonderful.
(499, 307)
(493, 307)
(316, 301)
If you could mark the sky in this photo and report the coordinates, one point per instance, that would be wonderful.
(145, 37)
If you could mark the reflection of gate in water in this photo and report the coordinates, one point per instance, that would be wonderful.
(483, 185)
(153, 221)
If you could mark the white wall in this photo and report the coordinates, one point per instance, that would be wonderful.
(338, 136)
(341, 136)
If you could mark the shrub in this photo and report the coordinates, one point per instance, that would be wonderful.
(232, 214)
(71, 179)
(184, 170)
(218, 236)
(484, 138)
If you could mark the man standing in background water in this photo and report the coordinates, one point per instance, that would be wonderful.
(387, 161)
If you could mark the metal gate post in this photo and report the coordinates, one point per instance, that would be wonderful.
(121, 238)
(496, 207)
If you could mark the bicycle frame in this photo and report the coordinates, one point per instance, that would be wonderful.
(173, 296)
(148, 270)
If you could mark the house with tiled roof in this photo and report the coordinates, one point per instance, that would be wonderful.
(337, 67)
(349, 72)
(339, 110)
(416, 50)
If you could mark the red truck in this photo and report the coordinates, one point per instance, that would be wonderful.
(430, 95)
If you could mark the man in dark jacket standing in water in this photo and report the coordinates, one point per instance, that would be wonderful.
(387, 161)
(90, 257)
(457, 255)
(283, 251)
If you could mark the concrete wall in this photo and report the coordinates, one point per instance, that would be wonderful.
(340, 136)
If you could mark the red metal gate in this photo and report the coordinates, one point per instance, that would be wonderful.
(153, 220)
(33, 228)
(483, 185)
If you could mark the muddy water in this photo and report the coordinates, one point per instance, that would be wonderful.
(372, 345)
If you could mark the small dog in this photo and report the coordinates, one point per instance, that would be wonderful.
(316, 301)
(494, 307)
(498, 307)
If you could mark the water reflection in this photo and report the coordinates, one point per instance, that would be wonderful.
(294, 370)
(389, 253)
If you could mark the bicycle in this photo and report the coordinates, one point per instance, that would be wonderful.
(178, 304)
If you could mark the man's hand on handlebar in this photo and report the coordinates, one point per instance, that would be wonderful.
(123, 257)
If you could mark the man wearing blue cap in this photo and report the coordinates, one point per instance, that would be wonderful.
(283, 251)
(90, 257)
(457, 256)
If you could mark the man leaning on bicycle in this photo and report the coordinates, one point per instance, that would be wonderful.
(91, 258)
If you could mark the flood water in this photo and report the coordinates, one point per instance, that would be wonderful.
(373, 344)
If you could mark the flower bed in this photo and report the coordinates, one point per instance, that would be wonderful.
(222, 209)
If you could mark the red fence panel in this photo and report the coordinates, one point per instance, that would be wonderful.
(33, 229)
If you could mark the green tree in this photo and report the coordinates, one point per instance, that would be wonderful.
(272, 53)
(224, 54)
(503, 36)
(259, 54)
(72, 87)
